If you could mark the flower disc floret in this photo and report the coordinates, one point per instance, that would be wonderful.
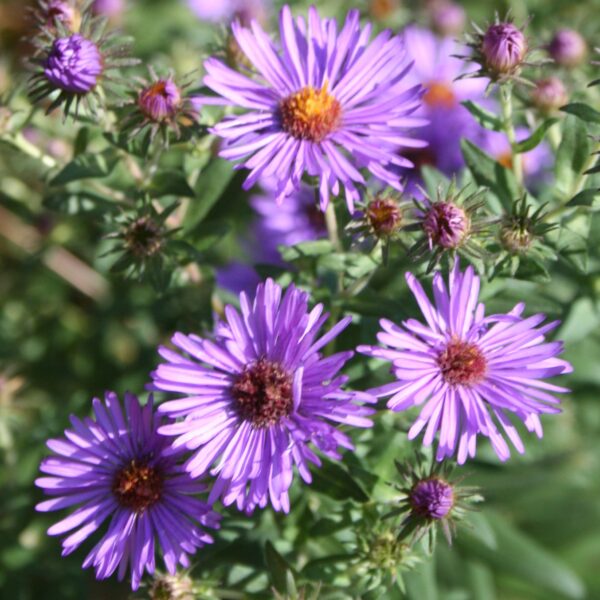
(432, 498)
(138, 485)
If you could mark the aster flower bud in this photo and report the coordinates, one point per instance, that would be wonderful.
(432, 498)
(568, 48)
(549, 95)
(447, 18)
(61, 11)
(160, 100)
(503, 48)
(384, 216)
(172, 587)
(446, 225)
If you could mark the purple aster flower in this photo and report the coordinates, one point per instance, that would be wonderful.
(468, 371)
(432, 498)
(227, 10)
(503, 48)
(116, 466)
(259, 397)
(73, 64)
(321, 103)
(568, 48)
(437, 70)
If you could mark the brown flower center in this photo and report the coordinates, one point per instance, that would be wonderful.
(462, 363)
(263, 393)
(439, 94)
(310, 114)
(138, 486)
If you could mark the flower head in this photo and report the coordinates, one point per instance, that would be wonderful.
(446, 224)
(258, 397)
(549, 95)
(503, 47)
(71, 67)
(568, 48)
(469, 372)
(115, 466)
(321, 103)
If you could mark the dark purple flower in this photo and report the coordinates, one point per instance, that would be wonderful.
(549, 94)
(503, 48)
(469, 371)
(160, 100)
(259, 396)
(73, 64)
(445, 224)
(316, 108)
(447, 17)
(116, 466)
(568, 48)
(432, 498)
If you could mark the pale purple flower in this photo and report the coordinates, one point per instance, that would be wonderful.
(116, 467)
(74, 64)
(568, 48)
(437, 70)
(447, 17)
(226, 10)
(259, 397)
(321, 103)
(109, 8)
(469, 373)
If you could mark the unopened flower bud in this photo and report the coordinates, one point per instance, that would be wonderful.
(568, 48)
(447, 18)
(446, 225)
(143, 237)
(432, 498)
(503, 47)
(549, 95)
(516, 239)
(160, 101)
(384, 216)
(172, 587)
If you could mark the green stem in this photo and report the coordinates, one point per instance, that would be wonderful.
(20, 142)
(509, 129)
(332, 227)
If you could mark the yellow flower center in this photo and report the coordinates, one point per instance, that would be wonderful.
(439, 94)
(310, 114)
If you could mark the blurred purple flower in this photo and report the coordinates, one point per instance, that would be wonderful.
(568, 48)
(448, 122)
(116, 466)
(322, 103)
(227, 10)
(258, 396)
(466, 369)
(109, 8)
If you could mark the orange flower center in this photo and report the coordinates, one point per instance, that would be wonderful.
(138, 486)
(439, 94)
(310, 114)
(462, 363)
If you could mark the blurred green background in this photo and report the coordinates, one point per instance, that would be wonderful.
(69, 330)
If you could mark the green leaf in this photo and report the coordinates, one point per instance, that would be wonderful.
(306, 249)
(334, 481)
(490, 173)
(573, 152)
(278, 568)
(535, 138)
(136, 146)
(82, 202)
(483, 116)
(211, 184)
(170, 183)
(583, 111)
(584, 198)
(208, 234)
(520, 556)
(87, 166)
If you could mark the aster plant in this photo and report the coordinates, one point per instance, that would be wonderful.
(73, 69)
(258, 397)
(116, 467)
(469, 372)
(324, 109)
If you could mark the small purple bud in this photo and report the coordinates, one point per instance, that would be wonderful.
(109, 8)
(504, 48)
(568, 48)
(73, 64)
(446, 225)
(160, 101)
(59, 10)
(447, 17)
(432, 498)
(549, 94)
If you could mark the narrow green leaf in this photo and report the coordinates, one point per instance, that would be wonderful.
(170, 183)
(213, 181)
(483, 116)
(86, 166)
(583, 111)
(535, 138)
(573, 152)
(334, 481)
(306, 249)
(584, 198)
(278, 568)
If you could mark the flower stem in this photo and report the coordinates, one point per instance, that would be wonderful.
(509, 129)
(20, 142)
(332, 227)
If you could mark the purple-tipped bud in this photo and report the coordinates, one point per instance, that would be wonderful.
(109, 8)
(384, 216)
(59, 10)
(432, 498)
(549, 94)
(568, 48)
(504, 48)
(447, 18)
(160, 101)
(446, 225)
(73, 64)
